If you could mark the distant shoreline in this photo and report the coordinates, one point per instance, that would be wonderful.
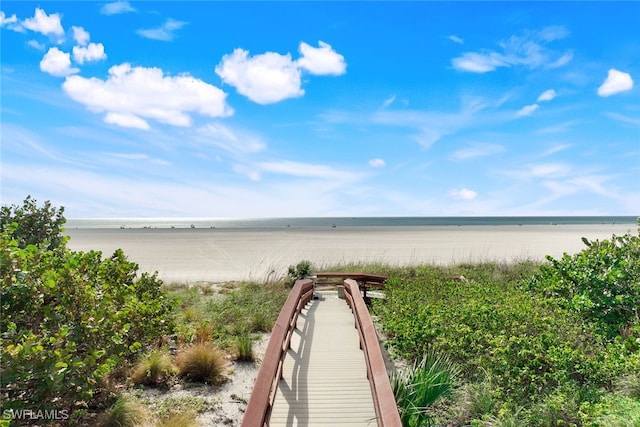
(333, 222)
(229, 254)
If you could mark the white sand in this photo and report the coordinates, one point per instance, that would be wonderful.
(218, 255)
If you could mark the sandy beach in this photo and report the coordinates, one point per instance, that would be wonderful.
(218, 255)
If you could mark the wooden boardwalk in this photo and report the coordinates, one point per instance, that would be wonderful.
(324, 375)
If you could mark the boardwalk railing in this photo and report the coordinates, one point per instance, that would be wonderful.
(384, 401)
(260, 404)
(261, 401)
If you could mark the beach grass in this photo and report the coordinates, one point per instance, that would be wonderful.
(202, 362)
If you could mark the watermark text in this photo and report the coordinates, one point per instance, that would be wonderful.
(36, 414)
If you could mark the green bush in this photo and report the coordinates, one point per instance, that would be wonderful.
(527, 345)
(601, 283)
(69, 318)
(300, 271)
(32, 225)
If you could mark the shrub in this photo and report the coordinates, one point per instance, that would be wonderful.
(601, 283)
(202, 362)
(68, 318)
(493, 326)
(154, 368)
(32, 225)
(300, 271)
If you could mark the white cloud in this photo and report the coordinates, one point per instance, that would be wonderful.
(80, 35)
(634, 121)
(548, 170)
(271, 77)
(45, 24)
(562, 61)
(132, 94)
(116, 8)
(527, 110)
(547, 95)
(126, 121)
(616, 82)
(322, 60)
(229, 140)
(387, 102)
(528, 49)
(140, 157)
(251, 172)
(163, 33)
(456, 39)
(57, 63)
(377, 163)
(462, 194)
(36, 45)
(478, 62)
(556, 149)
(93, 52)
(477, 150)
(13, 19)
(308, 170)
(265, 78)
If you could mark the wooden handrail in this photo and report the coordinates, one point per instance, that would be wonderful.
(383, 398)
(261, 400)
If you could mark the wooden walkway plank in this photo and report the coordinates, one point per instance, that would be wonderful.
(324, 378)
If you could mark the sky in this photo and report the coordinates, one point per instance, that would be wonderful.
(290, 109)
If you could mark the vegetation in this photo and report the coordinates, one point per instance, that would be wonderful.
(555, 344)
(154, 368)
(68, 318)
(300, 271)
(127, 411)
(244, 348)
(202, 362)
(530, 344)
(418, 388)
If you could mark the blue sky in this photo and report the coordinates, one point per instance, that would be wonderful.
(260, 109)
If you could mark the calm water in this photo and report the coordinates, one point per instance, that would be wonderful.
(341, 222)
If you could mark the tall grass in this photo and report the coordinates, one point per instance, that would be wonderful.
(244, 348)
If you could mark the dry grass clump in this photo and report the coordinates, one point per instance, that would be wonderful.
(126, 412)
(202, 362)
(154, 368)
(179, 419)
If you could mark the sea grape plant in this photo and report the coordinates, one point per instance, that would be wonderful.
(69, 318)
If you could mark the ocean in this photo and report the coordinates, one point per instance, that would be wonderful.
(322, 222)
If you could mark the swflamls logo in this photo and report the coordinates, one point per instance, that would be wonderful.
(38, 414)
